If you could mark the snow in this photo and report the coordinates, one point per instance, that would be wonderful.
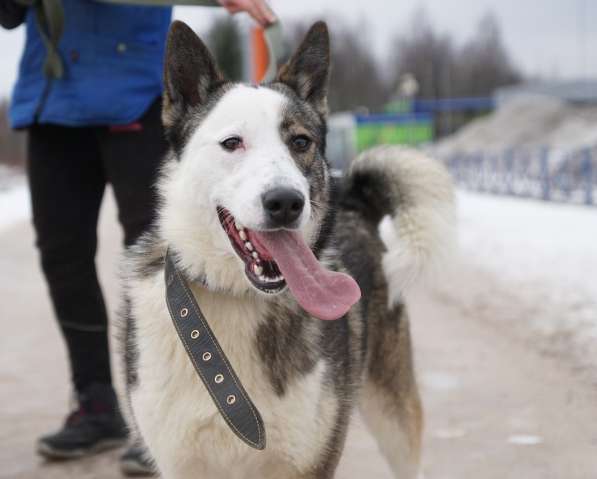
(531, 266)
(532, 242)
(14, 201)
(526, 121)
(9, 177)
(525, 440)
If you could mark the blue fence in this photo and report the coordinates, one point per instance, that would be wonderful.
(443, 105)
(543, 173)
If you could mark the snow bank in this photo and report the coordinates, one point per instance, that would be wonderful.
(531, 267)
(14, 197)
(530, 121)
(9, 177)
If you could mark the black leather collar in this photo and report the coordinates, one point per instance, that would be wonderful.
(209, 360)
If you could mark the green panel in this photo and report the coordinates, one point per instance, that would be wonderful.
(371, 134)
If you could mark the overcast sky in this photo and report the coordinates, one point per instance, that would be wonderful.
(544, 37)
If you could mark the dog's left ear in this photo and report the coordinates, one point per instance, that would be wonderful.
(190, 72)
(307, 71)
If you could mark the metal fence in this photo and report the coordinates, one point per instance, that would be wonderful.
(544, 173)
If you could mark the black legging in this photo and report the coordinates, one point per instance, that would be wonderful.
(68, 170)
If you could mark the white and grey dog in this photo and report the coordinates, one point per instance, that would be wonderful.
(249, 206)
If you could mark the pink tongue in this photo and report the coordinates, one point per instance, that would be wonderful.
(323, 293)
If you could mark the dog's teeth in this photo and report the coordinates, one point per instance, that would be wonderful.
(249, 245)
(237, 226)
(255, 254)
(243, 235)
(258, 270)
(262, 279)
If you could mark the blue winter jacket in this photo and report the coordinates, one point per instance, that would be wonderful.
(112, 56)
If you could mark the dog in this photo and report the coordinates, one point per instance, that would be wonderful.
(303, 277)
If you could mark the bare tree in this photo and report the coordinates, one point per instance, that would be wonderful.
(476, 69)
(427, 55)
(484, 62)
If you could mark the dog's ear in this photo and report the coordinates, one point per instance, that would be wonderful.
(307, 71)
(189, 72)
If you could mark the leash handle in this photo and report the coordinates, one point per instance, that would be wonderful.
(274, 40)
(209, 360)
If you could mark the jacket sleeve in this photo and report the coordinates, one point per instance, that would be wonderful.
(11, 14)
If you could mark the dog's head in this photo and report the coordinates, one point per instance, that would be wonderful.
(247, 190)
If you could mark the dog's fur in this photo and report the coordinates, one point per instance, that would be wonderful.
(383, 224)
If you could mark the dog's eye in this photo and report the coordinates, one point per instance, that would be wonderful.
(232, 143)
(300, 143)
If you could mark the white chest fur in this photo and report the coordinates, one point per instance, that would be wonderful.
(176, 415)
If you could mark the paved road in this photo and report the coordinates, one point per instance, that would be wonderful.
(495, 408)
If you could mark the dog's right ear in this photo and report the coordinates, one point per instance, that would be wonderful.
(189, 73)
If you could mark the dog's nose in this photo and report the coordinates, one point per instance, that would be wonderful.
(282, 206)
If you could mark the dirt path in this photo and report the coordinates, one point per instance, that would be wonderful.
(495, 408)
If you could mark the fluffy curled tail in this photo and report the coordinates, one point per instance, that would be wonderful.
(410, 198)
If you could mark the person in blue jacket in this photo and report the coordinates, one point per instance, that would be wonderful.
(97, 123)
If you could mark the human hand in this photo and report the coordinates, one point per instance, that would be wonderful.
(258, 9)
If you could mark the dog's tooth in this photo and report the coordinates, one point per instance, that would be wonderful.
(248, 245)
(237, 226)
(258, 270)
(255, 255)
(243, 235)
(262, 279)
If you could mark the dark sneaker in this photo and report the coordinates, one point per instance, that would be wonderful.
(94, 427)
(136, 462)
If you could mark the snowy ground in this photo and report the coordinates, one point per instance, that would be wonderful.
(531, 267)
(14, 205)
(14, 197)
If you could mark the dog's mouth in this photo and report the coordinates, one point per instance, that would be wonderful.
(274, 259)
(260, 267)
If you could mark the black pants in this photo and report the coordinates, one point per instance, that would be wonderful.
(68, 170)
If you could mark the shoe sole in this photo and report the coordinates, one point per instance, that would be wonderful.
(49, 452)
(133, 468)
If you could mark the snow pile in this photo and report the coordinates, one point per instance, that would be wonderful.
(530, 267)
(529, 121)
(9, 177)
(14, 197)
